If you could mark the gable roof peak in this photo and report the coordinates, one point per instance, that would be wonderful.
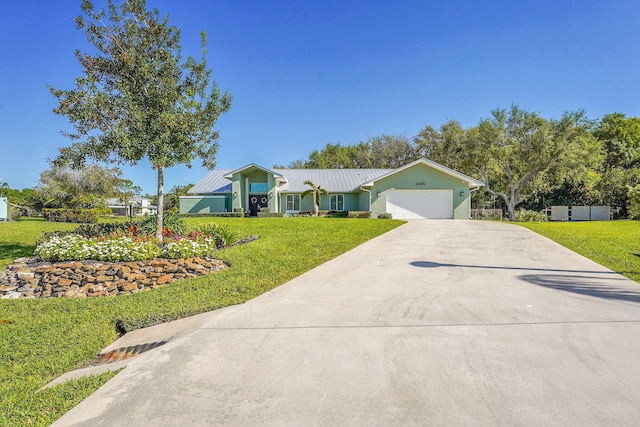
(437, 166)
(255, 166)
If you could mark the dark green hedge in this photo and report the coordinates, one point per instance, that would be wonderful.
(359, 214)
(82, 216)
(270, 214)
(214, 214)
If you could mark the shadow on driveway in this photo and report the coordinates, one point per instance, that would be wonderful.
(586, 282)
(585, 285)
(430, 264)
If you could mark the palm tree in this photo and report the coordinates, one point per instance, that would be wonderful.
(316, 191)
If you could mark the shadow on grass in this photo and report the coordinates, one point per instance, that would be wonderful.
(15, 250)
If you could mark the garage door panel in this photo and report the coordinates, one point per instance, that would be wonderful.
(420, 204)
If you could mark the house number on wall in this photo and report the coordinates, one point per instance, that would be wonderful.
(420, 183)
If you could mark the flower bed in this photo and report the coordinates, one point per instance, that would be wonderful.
(119, 242)
(113, 259)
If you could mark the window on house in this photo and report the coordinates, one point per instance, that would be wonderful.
(293, 202)
(336, 202)
(258, 187)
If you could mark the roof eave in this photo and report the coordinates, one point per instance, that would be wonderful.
(254, 165)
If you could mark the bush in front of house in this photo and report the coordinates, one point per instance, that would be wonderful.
(214, 214)
(359, 214)
(524, 215)
(270, 214)
(384, 216)
(337, 214)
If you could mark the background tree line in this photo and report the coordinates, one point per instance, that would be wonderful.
(525, 160)
(88, 187)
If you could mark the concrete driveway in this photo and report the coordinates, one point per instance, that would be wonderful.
(434, 323)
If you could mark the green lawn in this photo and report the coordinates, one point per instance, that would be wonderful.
(18, 239)
(41, 339)
(614, 244)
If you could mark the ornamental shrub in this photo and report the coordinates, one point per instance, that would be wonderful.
(123, 249)
(270, 214)
(175, 224)
(104, 229)
(524, 215)
(71, 215)
(336, 214)
(359, 214)
(123, 242)
(384, 216)
(222, 235)
(187, 248)
(76, 247)
(63, 248)
(634, 202)
(217, 214)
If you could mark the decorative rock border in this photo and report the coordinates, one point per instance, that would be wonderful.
(28, 278)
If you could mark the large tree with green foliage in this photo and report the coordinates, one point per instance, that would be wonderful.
(621, 138)
(518, 152)
(86, 187)
(137, 98)
(449, 145)
(384, 151)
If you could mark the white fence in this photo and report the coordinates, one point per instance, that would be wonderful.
(579, 213)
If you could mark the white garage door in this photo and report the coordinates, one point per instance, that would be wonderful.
(420, 204)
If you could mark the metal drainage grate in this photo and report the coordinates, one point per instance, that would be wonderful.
(124, 353)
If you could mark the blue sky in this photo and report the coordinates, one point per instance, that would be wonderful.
(306, 73)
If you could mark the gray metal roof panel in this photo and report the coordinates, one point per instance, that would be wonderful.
(332, 180)
(213, 182)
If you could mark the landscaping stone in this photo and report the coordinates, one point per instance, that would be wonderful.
(30, 278)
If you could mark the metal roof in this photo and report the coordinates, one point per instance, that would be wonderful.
(213, 182)
(332, 180)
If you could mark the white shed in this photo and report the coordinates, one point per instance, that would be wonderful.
(4, 214)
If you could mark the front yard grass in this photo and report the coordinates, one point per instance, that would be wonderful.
(614, 244)
(41, 339)
(18, 239)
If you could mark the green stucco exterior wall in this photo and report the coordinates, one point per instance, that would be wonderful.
(421, 177)
(205, 204)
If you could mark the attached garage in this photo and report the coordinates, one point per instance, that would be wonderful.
(420, 204)
(422, 190)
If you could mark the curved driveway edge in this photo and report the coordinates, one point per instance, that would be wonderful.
(434, 322)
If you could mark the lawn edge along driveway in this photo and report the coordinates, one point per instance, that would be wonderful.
(41, 339)
(613, 244)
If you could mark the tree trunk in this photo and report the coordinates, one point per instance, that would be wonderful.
(160, 213)
(315, 209)
(511, 208)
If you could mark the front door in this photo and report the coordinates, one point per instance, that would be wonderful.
(256, 202)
